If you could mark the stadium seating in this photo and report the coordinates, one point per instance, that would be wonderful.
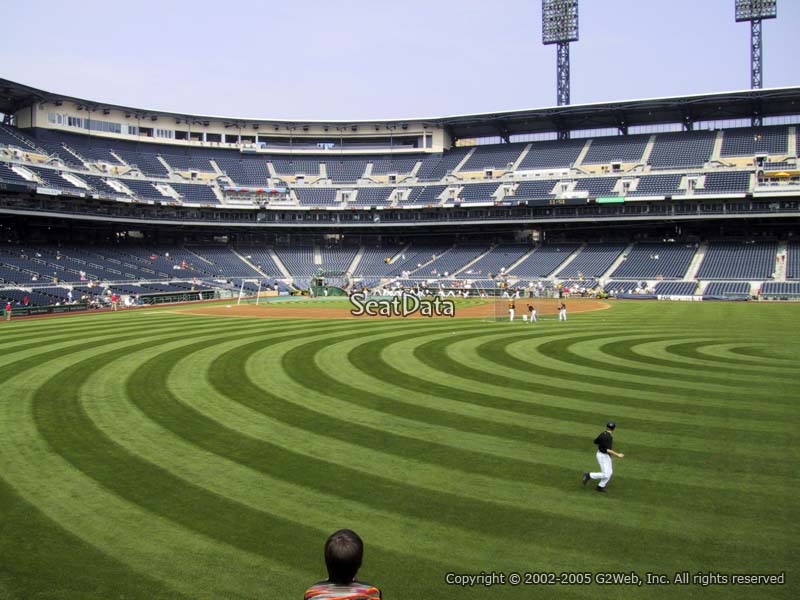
(498, 156)
(295, 166)
(90, 148)
(477, 192)
(683, 149)
(6, 174)
(53, 179)
(592, 261)
(496, 261)
(621, 287)
(543, 261)
(730, 289)
(622, 149)
(245, 171)
(424, 196)
(195, 194)
(99, 185)
(552, 154)
(346, 169)
(298, 260)
(531, 190)
(596, 186)
(221, 261)
(749, 141)
(50, 143)
(261, 258)
(16, 139)
(373, 262)
(680, 150)
(793, 260)
(675, 288)
(145, 162)
(437, 166)
(781, 288)
(450, 261)
(400, 165)
(145, 190)
(720, 183)
(337, 258)
(736, 260)
(324, 196)
(414, 257)
(658, 185)
(655, 260)
(372, 196)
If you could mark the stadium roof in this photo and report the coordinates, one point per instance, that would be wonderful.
(621, 114)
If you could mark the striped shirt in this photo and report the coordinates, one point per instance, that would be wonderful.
(357, 590)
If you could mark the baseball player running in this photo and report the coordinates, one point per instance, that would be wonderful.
(604, 442)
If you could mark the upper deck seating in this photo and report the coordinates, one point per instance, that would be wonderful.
(749, 141)
(612, 149)
(245, 170)
(497, 156)
(552, 154)
(682, 149)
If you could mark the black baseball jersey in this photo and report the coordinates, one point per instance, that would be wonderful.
(604, 442)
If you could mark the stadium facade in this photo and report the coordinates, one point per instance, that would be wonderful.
(639, 195)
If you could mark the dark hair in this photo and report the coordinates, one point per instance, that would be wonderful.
(343, 553)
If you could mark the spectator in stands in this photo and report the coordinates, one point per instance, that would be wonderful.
(344, 551)
(26, 300)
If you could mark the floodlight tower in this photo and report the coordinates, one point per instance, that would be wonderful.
(560, 26)
(754, 11)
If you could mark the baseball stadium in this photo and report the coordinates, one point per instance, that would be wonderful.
(190, 403)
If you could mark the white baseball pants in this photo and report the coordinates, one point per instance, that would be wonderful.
(604, 460)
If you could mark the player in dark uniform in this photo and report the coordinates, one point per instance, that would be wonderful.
(604, 443)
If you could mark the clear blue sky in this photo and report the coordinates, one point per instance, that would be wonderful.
(350, 59)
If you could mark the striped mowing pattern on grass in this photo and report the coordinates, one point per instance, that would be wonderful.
(161, 455)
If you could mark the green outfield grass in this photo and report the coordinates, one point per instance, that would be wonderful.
(154, 454)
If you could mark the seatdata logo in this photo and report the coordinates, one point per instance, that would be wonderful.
(403, 305)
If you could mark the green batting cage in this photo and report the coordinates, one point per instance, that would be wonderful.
(329, 283)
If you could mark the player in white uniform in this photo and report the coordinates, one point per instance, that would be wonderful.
(562, 312)
(604, 442)
(532, 313)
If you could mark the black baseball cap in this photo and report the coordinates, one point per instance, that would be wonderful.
(611, 425)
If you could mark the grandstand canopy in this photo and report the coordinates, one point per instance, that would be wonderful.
(746, 104)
